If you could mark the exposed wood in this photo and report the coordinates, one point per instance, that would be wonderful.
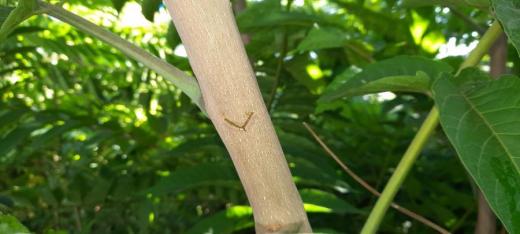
(230, 93)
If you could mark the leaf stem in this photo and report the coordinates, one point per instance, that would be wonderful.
(180, 79)
(426, 129)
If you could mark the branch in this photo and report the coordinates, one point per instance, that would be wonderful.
(371, 189)
(468, 20)
(427, 128)
(278, 73)
(486, 219)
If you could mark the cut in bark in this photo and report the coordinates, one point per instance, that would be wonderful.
(234, 104)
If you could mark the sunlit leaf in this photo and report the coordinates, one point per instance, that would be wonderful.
(43, 140)
(9, 224)
(478, 115)
(232, 219)
(432, 41)
(419, 26)
(322, 38)
(14, 139)
(420, 3)
(328, 201)
(203, 174)
(249, 21)
(24, 10)
(402, 73)
(379, 22)
(298, 69)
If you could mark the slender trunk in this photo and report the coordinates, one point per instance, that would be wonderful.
(234, 105)
(498, 57)
(486, 220)
(239, 6)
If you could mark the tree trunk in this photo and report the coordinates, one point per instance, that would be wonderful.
(234, 104)
(486, 220)
(498, 57)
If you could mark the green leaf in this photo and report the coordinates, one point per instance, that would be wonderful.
(149, 7)
(322, 38)
(14, 139)
(299, 66)
(172, 37)
(228, 221)
(302, 148)
(4, 13)
(422, 3)
(9, 224)
(24, 10)
(379, 22)
(327, 201)
(479, 117)
(507, 12)
(402, 73)
(483, 4)
(8, 117)
(98, 192)
(200, 175)
(248, 21)
(56, 231)
(119, 4)
(41, 141)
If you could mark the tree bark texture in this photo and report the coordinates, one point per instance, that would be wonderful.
(234, 104)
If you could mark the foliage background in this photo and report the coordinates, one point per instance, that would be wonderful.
(93, 142)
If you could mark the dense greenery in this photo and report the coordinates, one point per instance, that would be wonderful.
(92, 141)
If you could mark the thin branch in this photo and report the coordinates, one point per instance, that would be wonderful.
(278, 73)
(279, 67)
(414, 149)
(77, 218)
(357, 51)
(481, 30)
(371, 189)
(486, 219)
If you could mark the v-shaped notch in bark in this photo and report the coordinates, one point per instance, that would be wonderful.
(240, 126)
